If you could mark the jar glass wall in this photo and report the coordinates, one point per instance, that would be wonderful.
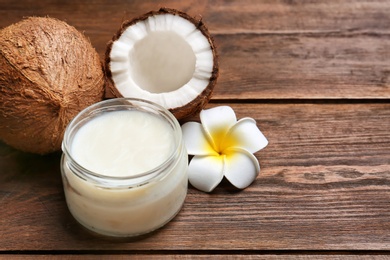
(125, 205)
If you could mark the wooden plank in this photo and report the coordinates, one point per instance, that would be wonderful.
(267, 49)
(199, 256)
(324, 185)
(312, 66)
(224, 17)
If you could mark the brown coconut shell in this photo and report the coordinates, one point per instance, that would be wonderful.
(49, 71)
(197, 104)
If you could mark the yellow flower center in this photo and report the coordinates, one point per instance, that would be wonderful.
(220, 143)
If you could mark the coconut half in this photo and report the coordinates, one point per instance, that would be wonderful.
(166, 57)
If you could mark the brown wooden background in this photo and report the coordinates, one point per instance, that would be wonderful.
(316, 77)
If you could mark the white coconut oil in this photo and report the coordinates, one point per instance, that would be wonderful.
(124, 167)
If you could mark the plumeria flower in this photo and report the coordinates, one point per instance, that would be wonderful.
(222, 146)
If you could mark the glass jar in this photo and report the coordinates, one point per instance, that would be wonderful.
(132, 204)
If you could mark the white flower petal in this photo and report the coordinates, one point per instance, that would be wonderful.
(245, 134)
(216, 122)
(241, 168)
(206, 172)
(195, 140)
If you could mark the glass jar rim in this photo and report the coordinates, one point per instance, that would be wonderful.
(113, 105)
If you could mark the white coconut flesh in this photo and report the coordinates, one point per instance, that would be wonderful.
(164, 59)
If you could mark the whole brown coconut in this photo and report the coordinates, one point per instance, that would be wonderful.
(49, 71)
(164, 56)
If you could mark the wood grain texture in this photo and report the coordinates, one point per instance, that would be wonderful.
(316, 77)
(324, 185)
(345, 256)
(267, 49)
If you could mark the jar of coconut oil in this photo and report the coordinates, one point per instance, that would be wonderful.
(124, 167)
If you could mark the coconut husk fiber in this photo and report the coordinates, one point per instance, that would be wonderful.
(49, 71)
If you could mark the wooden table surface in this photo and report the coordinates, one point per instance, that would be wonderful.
(316, 77)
